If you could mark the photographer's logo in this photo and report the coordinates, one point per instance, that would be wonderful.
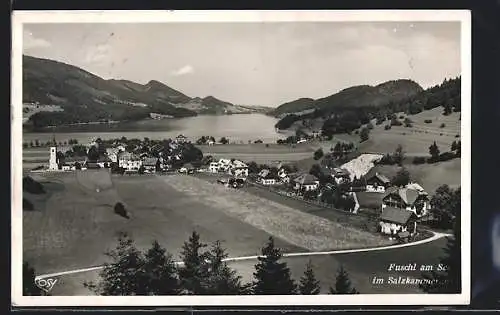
(45, 284)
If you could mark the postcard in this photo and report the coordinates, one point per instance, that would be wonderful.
(182, 158)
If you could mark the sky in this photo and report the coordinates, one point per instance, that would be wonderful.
(255, 63)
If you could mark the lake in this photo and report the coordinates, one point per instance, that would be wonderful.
(237, 128)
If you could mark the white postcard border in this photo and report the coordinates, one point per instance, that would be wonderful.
(24, 17)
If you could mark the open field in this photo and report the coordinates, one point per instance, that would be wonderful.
(296, 227)
(430, 176)
(76, 224)
(417, 139)
(255, 148)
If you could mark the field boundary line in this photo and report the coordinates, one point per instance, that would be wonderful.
(435, 237)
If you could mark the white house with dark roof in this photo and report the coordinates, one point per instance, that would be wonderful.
(181, 139)
(409, 198)
(377, 183)
(306, 182)
(129, 161)
(400, 222)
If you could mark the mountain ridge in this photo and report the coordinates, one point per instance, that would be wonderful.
(86, 97)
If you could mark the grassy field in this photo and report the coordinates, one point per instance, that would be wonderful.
(430, 176)
(417, 139)
(76, 224)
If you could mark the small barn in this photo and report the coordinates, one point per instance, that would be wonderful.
(394, 221)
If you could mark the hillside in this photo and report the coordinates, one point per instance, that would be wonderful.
(85, 97)
(351, 108)
(356, 96)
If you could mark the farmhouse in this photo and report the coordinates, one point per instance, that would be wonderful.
(399, 222)
(377, 183)
(407, 198)
(306, 182)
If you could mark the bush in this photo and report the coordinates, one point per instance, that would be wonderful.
(428, 121)
(120, 210)
(387, 127)
(446, 156)
(318, 154)
(442, 125)
(356, 132)
(457, 136)
(267, 145)
(401, 117)
(369, 126)
(419, 160)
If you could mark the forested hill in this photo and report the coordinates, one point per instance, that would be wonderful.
(85, 97)
(342, 118)
(356, 96)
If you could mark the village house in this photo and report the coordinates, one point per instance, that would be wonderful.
(181, 139)
(265, 177)
(306, 182)
(129, 161)
(398, 222)
(409, 198)
(283, 176)
(112, 154)
(377, 183)
(341, 176)
(213, 167)
(149, 164)
(224, 165)
(238, 169)
(187, 168)
(210, 142)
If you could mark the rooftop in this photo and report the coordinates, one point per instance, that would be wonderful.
(399, 216)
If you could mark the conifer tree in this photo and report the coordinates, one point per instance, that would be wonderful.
(193, 273)
(160, 272)
(272, 277)
(309, 285)
(221, 278)
(343, 284)
(124, 275)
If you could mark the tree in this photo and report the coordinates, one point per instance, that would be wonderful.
(364, 134)
(309, 285)
(221, 278)
(272, 277)
(448, 279)
(29, 285)
(123, 275)
(343, 284)
(454, 146)
(224, 140)
(160, 272)
(93, 153)
(399, 155)
(402, 178)
(193, 273)
(318, 154)
(434, 151)
(37, 143)
(141, 170)
(445, 205)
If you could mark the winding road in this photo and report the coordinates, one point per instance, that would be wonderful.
(435, 237)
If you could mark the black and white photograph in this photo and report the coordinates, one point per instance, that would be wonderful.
(226, 158)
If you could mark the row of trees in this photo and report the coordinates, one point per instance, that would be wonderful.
(154, 272)
(202, 271)
(37, 143)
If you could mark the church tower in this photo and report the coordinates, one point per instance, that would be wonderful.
(53, 159)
